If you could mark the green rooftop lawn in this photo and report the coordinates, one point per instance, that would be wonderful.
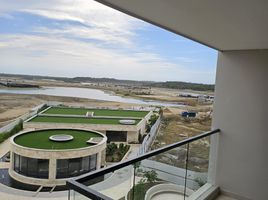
(80, 120)
(97, 112)
(40, 139)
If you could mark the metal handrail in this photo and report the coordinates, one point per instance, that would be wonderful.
(76, 183)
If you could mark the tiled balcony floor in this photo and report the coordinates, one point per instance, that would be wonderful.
(223, 197)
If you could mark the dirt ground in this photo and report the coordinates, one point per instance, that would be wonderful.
(175, 128)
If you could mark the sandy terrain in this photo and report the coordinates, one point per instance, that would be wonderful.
(175, 128)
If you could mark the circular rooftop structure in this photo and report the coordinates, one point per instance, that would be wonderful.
(56, 139)
(61, 138)
(127, 121)
(50, 156)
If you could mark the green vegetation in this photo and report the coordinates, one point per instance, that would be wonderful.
(97, 112)
(183, 85)
(168, 84)
(79, 120)
(115, 153)
(45, 106)
(149, 179)
(40, 139)
(200, 181)
(13, 131)
(151, 121)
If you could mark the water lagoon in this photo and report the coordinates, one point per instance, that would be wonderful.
(85, 93)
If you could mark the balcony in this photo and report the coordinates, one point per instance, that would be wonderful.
(177, 171)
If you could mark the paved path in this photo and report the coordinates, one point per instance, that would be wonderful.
(121, 181)
(4, 147)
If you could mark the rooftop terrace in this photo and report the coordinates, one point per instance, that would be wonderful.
(40, 139)
(78, 120)
(97, 112)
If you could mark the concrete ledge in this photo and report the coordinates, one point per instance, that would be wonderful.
(206, 192)
(167, 188)
(235, 196)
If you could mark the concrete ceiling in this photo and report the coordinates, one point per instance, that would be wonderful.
(220, 24)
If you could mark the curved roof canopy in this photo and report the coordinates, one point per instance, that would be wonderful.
(220, 24)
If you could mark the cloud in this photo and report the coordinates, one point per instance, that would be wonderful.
(96, 41)
(97, 21)
(69, 57)
(185, 59)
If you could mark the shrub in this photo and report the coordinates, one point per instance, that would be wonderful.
(42, 108)
(148, 128)
(110, 149)
(150, 176)
(147, 181)
(200, 181)
(115, 153)
(5, 135)
(153, 119)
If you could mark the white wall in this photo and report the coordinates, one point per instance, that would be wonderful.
(240, 111)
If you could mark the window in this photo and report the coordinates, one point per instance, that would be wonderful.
(62, 168)
(116, 136)
(75, 166)
(93, 162)
(32, 167)
(43, 168)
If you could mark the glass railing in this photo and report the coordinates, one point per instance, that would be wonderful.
(175, 171)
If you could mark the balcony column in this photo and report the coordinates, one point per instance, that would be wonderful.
(240, 111)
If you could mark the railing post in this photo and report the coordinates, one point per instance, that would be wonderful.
(186, 170)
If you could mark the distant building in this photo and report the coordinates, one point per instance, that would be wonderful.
(117, 125)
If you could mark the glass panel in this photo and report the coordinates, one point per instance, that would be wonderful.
(115, 185)
(161, 176)
(16, 162)
(32, 167)
(174, 174)
(198, 161)
(73, 195)
(93, 162)
(62, 168)
(23, 165)
(37, 168)
(43, 167)
(74, 166)
(85, 164)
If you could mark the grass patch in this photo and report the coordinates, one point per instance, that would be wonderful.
(97, 112)
(40, 139)
(79, 120)
(13, 131)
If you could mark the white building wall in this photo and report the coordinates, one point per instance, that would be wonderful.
(240, 111)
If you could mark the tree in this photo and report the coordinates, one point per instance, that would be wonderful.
(150, 176)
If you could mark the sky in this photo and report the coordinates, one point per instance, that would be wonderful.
(84, 38)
